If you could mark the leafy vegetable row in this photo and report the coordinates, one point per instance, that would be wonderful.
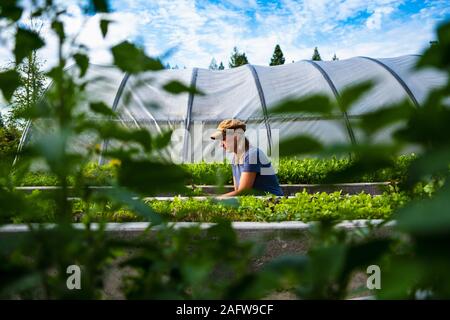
(303, 207)
(290, 171)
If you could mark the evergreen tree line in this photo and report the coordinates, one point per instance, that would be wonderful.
(238, 58)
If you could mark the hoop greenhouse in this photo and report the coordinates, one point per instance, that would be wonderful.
(249, 93)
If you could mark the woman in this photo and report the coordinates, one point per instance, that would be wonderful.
(252, 169)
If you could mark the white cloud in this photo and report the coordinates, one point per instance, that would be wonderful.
(87, 32)
(374, 21)
(242, 3)
(212, 30)
(201, 30)
(346, 9)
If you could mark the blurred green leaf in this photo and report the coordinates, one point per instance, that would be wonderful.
(287, 264)
(322, 273)
(352, 94)
(101, 5)
(53, 148)
(110, 130)
(281, 272)
(82, 62)
(437, 55)
(9, 82)
(58, 27)
(149, 177)
(38, 12)
(19, 280)
(399, 277)
(431, 163)
(162, 140)
(126, 197)
(177, 87)
(11, 204)
(371, 122)
(366, 159)
(120, 153)
(310, 104)
(27, 41)
(426, 217)
(362, 255)
(10, 9)
(299, 145)
(133, 60)
(102, 108)
(104, 24)
(426, 126)
(364, 150)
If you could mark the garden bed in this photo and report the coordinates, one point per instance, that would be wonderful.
(289, 171)
(373, 188)
(301, 207)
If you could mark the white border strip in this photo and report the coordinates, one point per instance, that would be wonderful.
(350, 184)
(237, 226)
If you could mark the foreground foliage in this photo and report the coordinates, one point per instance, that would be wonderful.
(171, 263)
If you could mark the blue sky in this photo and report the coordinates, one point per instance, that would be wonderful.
(201, 30)
(206, 29)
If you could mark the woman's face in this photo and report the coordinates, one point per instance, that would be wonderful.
(228, 142)
(231, 142)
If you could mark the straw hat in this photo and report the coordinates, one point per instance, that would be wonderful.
(228, 124)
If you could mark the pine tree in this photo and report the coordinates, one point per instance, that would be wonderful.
(32, 79)
(277, 57)
(237, 59)
(213, 65)
(316, 55)
(221, 67)
(335, 58)
(32, 84)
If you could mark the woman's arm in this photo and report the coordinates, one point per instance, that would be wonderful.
(234, 184)
(246, 182)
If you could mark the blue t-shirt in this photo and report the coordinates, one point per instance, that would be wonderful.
(256, 161)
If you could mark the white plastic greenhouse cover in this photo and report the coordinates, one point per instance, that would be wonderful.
(249, 93)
